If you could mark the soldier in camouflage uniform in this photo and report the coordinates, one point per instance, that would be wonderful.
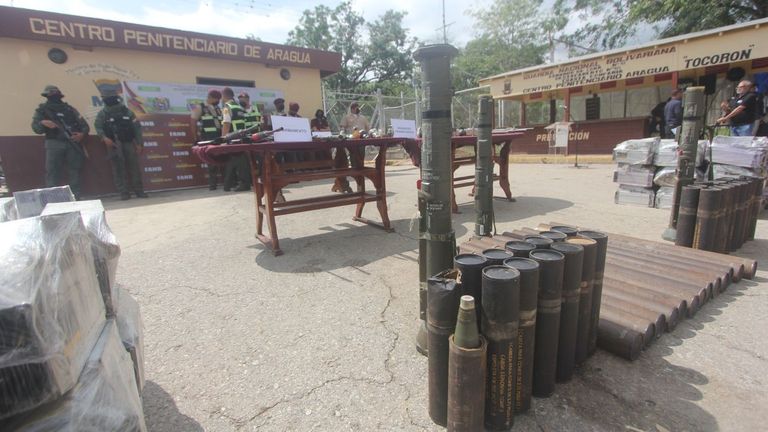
(120, 131)
(64, 130)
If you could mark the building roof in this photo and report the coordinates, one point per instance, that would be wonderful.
(91, 32)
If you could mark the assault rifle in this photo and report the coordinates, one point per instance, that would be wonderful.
(65, 131)
(232, 136)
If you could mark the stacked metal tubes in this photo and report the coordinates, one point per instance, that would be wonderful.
(647, 286)
(719, 216)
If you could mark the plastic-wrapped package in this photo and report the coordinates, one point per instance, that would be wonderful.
(106, 250)
(635, 152)
(634, 175)
(722, 171)
(665, 177)
(30, 203)
(104, 399)
(131, 331)
(51, 311)
(745, 152)
(8, 209)
(667, 152)
(664, 198)
(634, 195)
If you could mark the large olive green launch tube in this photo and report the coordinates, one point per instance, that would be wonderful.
(421, 333)
(597, 286)
(706, 218)
(686, 219)
(484, 168)
(499, 325)
(526, 333)
(585, 296)
(436, 169)
(471, 267)
(688, 141)
(443, 297)
(466, 372)
(551, 265)
(569, 308)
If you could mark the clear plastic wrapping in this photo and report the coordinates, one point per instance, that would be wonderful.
(634, 175)
(748, 152)
(665, 177)
(104, 399)
(634, 195)
(104, 245)
(664, 197)
(131, 331)
(51, 311)
(635, 152)
(8, 209)
(667, 151)
(30, 203)
(722, 171)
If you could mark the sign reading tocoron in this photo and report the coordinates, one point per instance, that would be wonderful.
(703, 51)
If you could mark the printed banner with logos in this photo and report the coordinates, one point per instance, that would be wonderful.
(164, 112)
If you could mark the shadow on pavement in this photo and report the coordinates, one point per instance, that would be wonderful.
(507, 211)
(161, 414)
(352, 245)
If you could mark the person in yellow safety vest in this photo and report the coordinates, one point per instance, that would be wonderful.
(252, 115)
(237, 169)
(207, 118)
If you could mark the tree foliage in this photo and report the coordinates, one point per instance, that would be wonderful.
(610, 24)
(379, 53)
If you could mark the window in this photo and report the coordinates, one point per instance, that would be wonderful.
(640, 101)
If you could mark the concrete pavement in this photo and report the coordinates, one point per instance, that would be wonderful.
(322, 337)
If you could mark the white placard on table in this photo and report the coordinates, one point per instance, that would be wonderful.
(295, 129)
(321, 134)
(403, 128)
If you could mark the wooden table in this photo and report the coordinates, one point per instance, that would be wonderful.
(269, 177)
(502, 141)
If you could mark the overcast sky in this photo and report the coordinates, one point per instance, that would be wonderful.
(268, 20)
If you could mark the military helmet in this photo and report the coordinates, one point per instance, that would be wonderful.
(50, 90)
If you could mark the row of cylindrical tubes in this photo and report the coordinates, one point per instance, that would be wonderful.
(648, 286)
(719, 215)
(538, 303)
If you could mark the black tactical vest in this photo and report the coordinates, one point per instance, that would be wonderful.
(60, 113)
(119, 124)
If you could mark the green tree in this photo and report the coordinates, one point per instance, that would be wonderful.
(609, 24)
(381, 59)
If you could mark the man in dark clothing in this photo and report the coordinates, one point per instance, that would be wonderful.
(740, 110)
(207, 118)
(64, 130)
(657, 120)
(120, 131)
(673, 114)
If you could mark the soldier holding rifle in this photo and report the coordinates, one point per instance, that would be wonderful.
(64, 130)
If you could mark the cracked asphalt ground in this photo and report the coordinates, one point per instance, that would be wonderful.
(322, 337)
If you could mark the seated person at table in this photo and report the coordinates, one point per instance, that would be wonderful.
(320, 122)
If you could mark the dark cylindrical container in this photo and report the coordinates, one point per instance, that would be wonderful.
(466, 390)
(619, 340)
(471, 267)
(526, 333)
(496, 256)
(499, 325)
(443, 296)
(569, 308)
(585, 295)
(551, 264)
(686, 218)
(705, 233)
(555, 236)
(757, 206)
(539, 241)
(597, 286)
(520, 248)
(569, 231)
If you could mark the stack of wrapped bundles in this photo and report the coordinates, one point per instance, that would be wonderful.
(635, 171)
(8, 210)
(734, 156)
(104, 246)
(31, 203)
(104, 399)
(664, 198)
(71, 344)
(51, 313)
